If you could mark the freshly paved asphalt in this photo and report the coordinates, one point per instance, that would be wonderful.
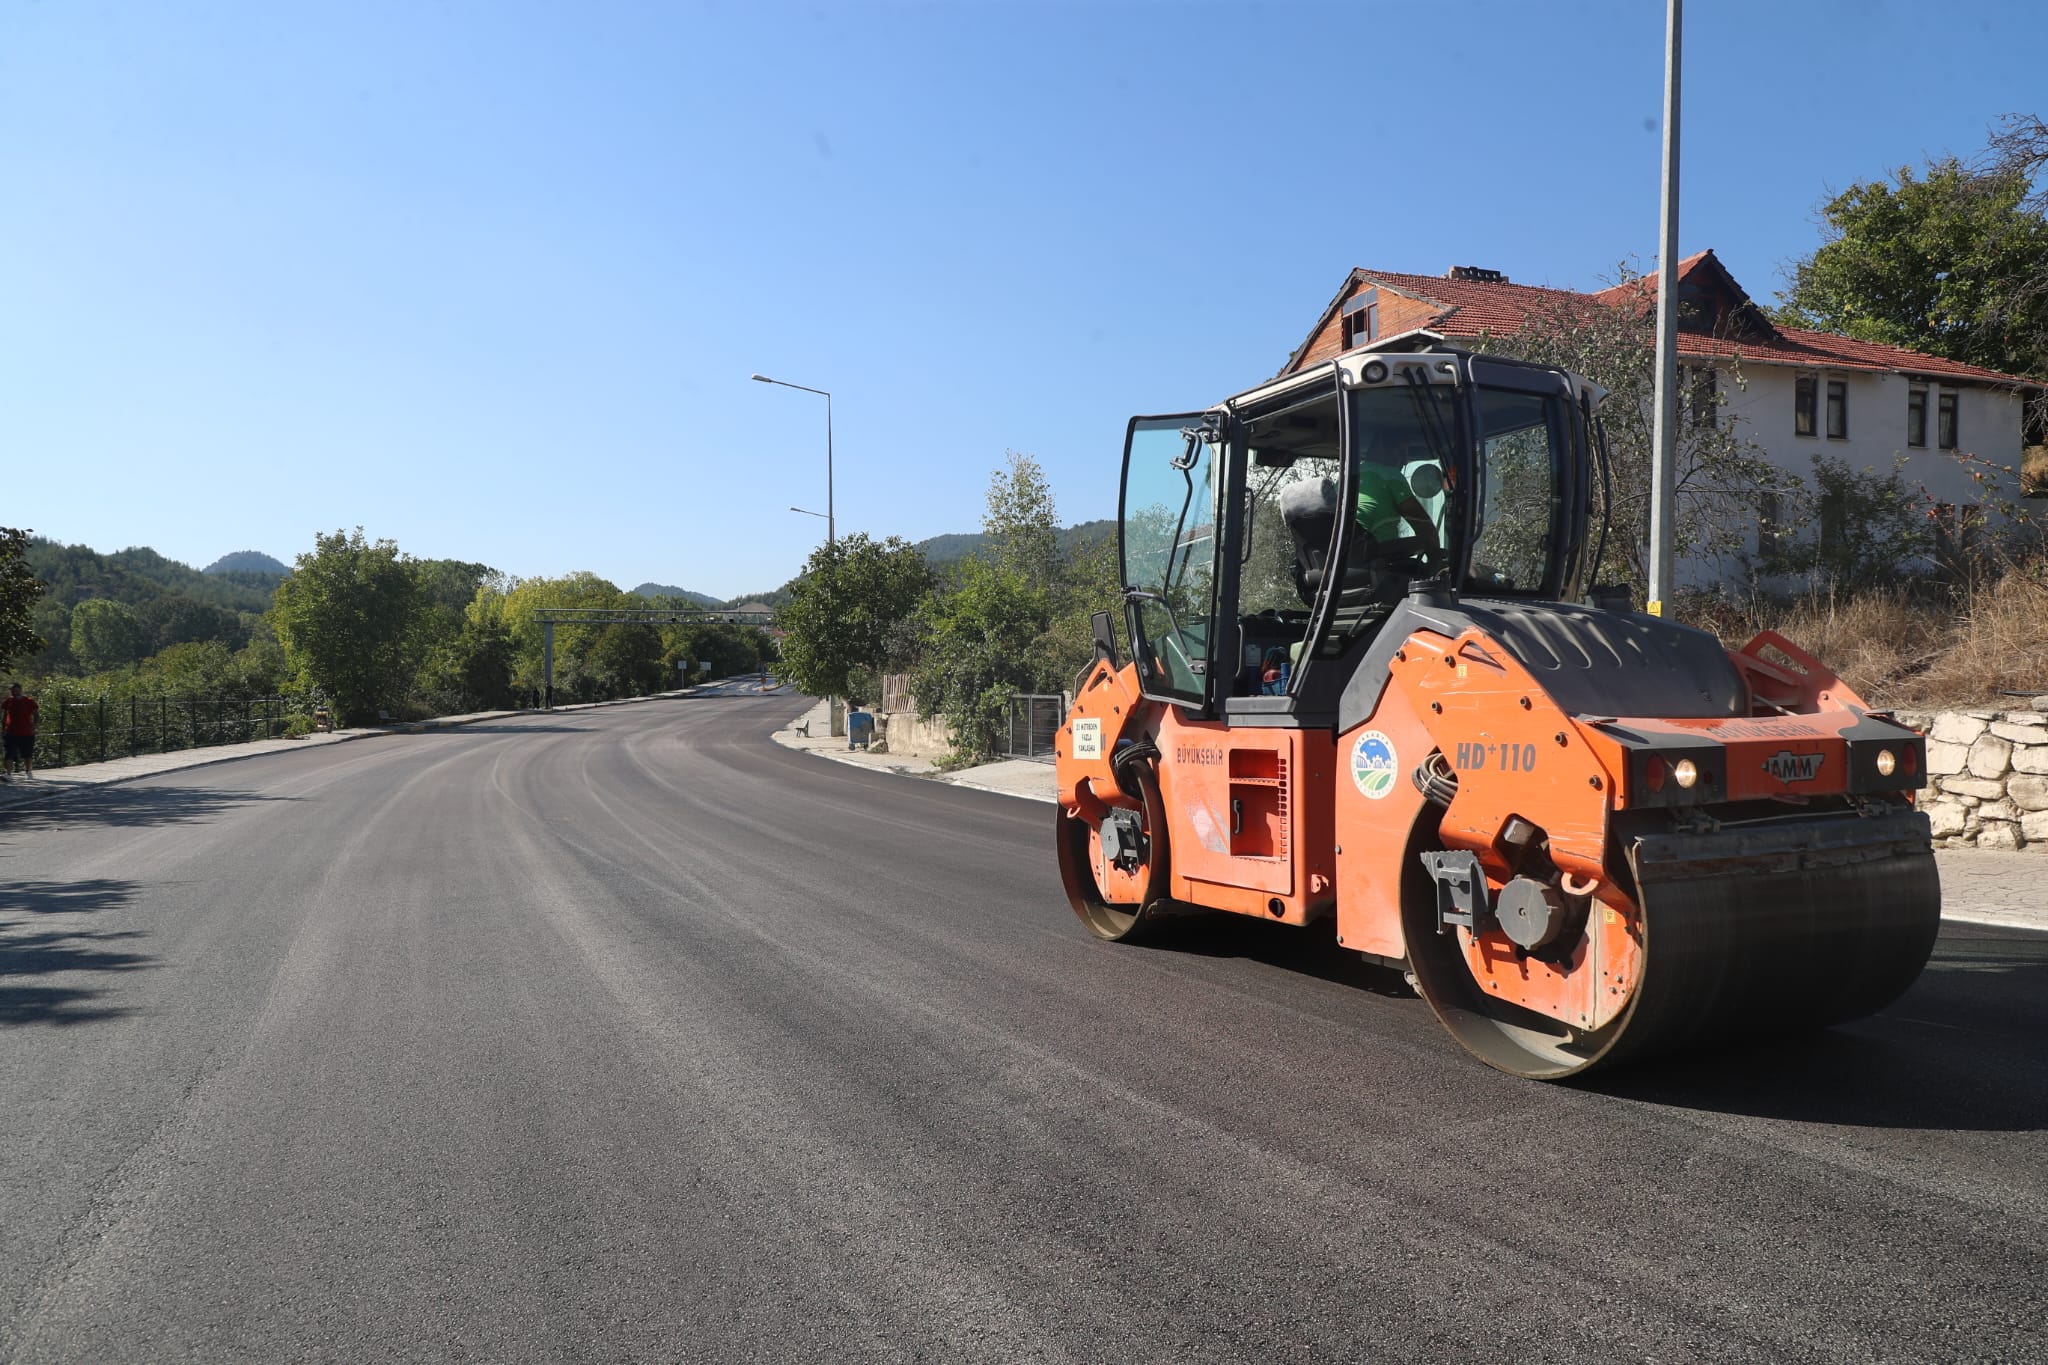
(631, 1036)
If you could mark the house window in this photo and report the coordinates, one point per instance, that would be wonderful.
(1802, 406)
(1362, 319)
(1916, 417)
(1705, 396)
(1771, 531)
(1838, 409)
(1945, 433)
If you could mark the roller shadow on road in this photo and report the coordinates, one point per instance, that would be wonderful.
(1313, 951)
(32, 949)
(1960, 1051)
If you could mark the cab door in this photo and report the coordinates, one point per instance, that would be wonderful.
(1170, 542)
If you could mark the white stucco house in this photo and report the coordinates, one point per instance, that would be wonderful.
(1801, 393)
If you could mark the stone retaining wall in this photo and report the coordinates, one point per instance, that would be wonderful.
(1987, 776)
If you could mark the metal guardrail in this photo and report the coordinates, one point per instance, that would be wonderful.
(71, 729)
(1035, 720)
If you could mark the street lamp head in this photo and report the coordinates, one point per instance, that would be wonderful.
(764, 379)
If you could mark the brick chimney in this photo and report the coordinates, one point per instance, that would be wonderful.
(1476, 274)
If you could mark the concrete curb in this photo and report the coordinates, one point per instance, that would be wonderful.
(1992, 919)
(1048, 798)
(1026, 779)
(920, 768)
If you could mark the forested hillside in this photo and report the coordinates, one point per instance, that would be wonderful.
(942, 550)
(702, 599)
(249, 561)
(152, 604)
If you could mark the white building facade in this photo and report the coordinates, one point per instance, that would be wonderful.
(1792, 394)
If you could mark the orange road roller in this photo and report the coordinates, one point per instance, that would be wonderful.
(1366, 681)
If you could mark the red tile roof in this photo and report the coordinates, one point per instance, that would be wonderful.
(1796, 346)
(1473, 307)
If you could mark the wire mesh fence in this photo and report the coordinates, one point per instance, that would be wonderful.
(92, 729)
(1035, 719)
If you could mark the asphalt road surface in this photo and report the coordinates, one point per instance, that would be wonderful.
(627, 1035)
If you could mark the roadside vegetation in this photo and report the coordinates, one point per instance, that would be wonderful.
(1010, 615)
(357, 625)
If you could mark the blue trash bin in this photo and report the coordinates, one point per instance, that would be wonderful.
(860, 729)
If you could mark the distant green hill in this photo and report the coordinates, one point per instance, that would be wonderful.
(248, 561)
(176, 602)
(941, 550)
(665, 590)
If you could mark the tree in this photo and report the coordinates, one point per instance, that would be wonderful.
(173, 620)
(590, 660)
(1020, 522)
(1721, 474)
(1012, 617)
(1870, 526)
(1089, 582)
(465, 665)
(471, 670)
(846, 610)
(106, 635)
(19, 589)
(977, 649)
(1953, 261)
(728, 649)
(348, 619)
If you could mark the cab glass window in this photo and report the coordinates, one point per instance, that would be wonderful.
(1520, 438)
(1293, 463)
(1403, 441)
(1169, 548)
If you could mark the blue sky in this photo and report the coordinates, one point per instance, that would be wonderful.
(489, 279)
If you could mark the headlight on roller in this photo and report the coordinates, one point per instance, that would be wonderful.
(1685, 773)
(1887, 762)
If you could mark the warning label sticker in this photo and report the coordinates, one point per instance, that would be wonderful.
(1087, 739)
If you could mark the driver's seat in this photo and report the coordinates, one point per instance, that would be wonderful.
(1308, 508)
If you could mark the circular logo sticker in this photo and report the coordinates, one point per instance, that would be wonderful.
(1373, 764)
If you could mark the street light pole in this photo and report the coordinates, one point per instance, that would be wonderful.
(831, 524)
(1664, 459)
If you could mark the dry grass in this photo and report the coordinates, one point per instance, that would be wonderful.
(1901, 649)
(2002, 645)
(2034, 472)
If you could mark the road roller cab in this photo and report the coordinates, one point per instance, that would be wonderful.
(1364, 683)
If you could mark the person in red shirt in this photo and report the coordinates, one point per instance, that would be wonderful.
(18, 731)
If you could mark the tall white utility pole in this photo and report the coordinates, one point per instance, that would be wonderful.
(1664, 463)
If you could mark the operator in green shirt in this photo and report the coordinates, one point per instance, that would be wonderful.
(1389, 511)
(1385, 502)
